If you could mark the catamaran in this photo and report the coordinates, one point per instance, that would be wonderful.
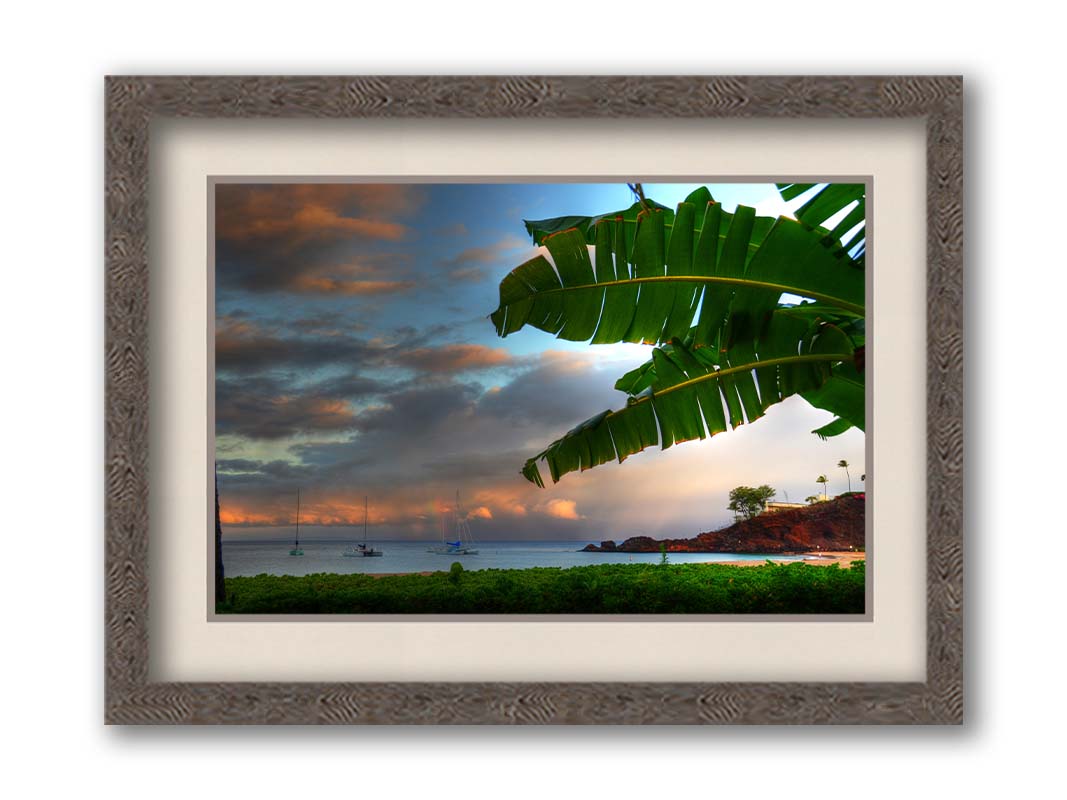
(463, 544)
(362, 549)
(296, 551)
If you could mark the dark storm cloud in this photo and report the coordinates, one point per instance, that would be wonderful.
(420, 409)
(292, 213)
(475, 465)
(393, 438)
(272, 407)
(313, 269)
(283, 470)
(350, 386)
(414, 447)
(244, 347)
(326, 323)
(454, 358)
(313, 238)
(558, 393)
(431, 431)
(261, 417)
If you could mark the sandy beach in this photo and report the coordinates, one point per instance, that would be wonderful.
(816, 558)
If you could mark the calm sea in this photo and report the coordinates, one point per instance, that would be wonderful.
(244, 557)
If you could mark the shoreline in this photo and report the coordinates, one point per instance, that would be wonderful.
(815, 558)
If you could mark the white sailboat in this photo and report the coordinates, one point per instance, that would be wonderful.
(362, 550)
(462, 543)
(296, 551)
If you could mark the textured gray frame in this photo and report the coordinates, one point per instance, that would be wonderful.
(132, 102)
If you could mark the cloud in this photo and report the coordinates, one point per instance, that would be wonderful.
(481, 512)
(313, 238)
(311, 270)
(259, 417)
(454, 358)
(561, 389)
(562, 509)
(420, 409)
(486, 254)
(459, 229)
(469, 274)
(299, 212)
(237, 468)
(273, 406)
(465, 265)
(243, 347)
(324, 285)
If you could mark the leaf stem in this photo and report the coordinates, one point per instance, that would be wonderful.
(744, 282)
(716, 375)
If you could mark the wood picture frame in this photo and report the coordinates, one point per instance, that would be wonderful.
(132, 104)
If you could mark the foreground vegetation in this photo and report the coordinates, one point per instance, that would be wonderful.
(794, 588)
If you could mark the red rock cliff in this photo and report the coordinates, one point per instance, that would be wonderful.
(834, 525)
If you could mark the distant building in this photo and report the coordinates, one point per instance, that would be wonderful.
(772, 506)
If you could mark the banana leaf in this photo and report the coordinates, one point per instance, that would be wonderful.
(706, 286)
(659, 283)
(826, 203)
(689, 391)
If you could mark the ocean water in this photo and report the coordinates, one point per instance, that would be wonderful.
(247, 557)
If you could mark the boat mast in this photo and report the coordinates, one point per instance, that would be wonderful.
(461, 524)
(296, 542)
(364, 519)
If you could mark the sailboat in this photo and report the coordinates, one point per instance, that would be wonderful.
(462, 543)
(296, 551)
(362, 549)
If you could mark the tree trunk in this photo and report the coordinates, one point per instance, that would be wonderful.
(220, 582)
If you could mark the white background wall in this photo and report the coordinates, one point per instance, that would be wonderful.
(52, 223)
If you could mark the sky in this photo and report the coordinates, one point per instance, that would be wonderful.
(355, 358)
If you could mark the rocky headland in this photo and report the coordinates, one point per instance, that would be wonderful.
(836, 525)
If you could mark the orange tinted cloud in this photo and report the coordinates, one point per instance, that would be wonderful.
(481, 512)
(298, 212)
(346, 509)
(455, 358)
(562, 509)
(240, 516)
(320, 285)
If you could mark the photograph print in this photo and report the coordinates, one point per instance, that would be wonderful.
(605, 398)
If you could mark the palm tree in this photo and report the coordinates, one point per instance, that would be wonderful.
(706, 287)
(844, 465)
(823, 480)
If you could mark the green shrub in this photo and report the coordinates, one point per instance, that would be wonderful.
(455, 572)
(794, 588)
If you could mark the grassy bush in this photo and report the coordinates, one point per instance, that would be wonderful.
(794, 588)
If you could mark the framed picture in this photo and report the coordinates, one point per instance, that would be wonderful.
(534, 400)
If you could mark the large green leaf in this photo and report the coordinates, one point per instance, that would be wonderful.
(834, 428)
(707, 286)
(689, 391)
(648, 288)
(826, 203)
(540, 229)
